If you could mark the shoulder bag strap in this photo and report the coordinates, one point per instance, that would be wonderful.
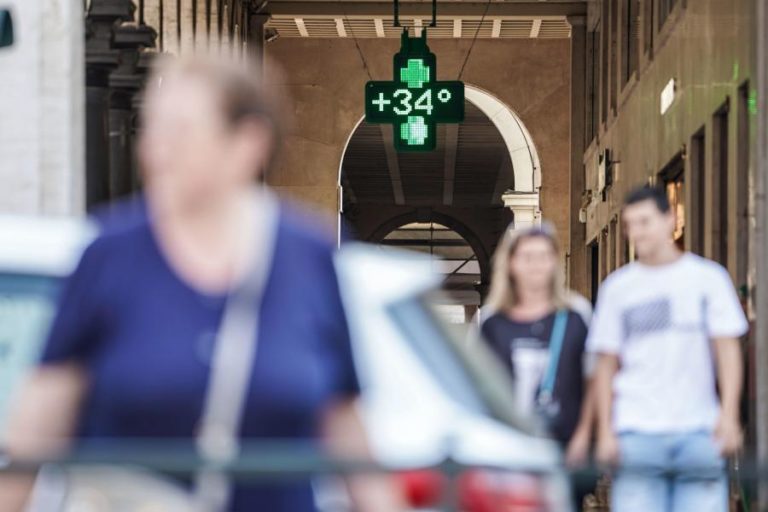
(555, 347)
(231, 367)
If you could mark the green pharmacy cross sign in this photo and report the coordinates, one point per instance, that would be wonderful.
(414, 102)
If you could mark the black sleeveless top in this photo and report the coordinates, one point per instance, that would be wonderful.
(523, 348)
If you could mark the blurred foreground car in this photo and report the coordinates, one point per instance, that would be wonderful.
(35, 255)
(428, 398)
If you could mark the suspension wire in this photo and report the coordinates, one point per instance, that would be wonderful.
(434, 14)
(357, 45)
(474, 39)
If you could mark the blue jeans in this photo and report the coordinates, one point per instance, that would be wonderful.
(697, 483)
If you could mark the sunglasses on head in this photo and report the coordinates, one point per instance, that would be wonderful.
(545, 229)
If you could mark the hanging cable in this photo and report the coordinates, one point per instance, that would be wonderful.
(474, 39)
(357, 45)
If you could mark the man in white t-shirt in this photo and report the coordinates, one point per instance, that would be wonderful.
(666, 329)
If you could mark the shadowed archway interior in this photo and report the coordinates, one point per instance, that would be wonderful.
(443, 202)
(470, 167)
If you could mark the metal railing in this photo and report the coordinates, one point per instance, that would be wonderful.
(290, 460)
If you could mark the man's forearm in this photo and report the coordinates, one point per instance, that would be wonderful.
(607, 366)
(730, 375)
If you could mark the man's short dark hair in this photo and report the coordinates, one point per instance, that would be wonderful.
(649, 193)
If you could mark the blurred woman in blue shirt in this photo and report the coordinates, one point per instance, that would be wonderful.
(129, 355)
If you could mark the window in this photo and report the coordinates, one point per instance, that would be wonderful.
(27, 304)
(614, 74)
(630, 19)
(719, 187)
(593, 84)
(461, 373)
(676, 194)
(604, 55)
(673, 178)
(742, 190)
(423, 331)
(614, 247)
(594, 267)
(648, 26)
(604, 252)
(665, 9)
(627, 250)
(697, 171)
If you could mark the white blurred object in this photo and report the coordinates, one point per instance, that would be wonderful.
(49, 246)
(107, 489)
(35, 254)
(420, 405)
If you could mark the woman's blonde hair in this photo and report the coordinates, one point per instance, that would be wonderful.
(503, 293)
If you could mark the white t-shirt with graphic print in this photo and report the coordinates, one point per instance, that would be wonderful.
(660, 321)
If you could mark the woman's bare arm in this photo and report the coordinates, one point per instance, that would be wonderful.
(42, 420)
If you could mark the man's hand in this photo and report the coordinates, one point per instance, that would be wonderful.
(728, 435)
(577, 453)
(607, 453)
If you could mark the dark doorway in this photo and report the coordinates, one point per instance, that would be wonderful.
(594, 270)
(673, 179)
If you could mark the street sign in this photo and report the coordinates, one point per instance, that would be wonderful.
(414, 102)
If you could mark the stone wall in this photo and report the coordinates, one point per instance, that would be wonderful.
(706, 47)
(41, 109)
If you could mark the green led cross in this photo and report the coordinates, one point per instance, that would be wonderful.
(413, 103)
(415, 74)
(414, 131)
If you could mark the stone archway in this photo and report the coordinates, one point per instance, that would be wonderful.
(483, 174)
(480, 251)
(525, 157)
(522, 151)
(455, 254)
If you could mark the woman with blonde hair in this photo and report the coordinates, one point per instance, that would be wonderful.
(538, 330)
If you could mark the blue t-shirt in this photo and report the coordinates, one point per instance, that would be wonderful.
(145, 338)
